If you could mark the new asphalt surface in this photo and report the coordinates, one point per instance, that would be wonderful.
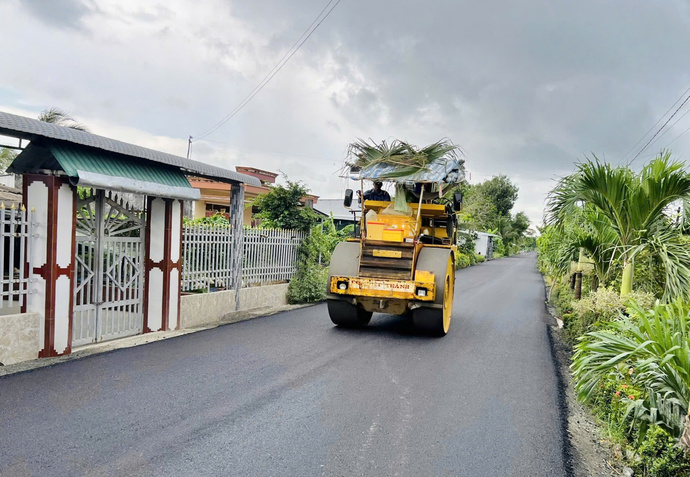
(292, 395)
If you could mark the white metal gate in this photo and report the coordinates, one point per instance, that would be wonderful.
(109, 265)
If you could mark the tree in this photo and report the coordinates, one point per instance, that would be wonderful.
(501, 193)
(487, 208)
(6, 158)
(280, 208)
(60, 118)
(478, 212)
(633, 205)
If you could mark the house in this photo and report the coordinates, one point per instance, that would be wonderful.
(342, 217)
(215, 195)
(100, 265)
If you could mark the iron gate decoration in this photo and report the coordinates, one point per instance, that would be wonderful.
(109, 267)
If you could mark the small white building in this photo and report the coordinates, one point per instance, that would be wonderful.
(484, 244)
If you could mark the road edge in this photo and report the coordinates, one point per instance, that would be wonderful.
(584, 451)
(142, 339)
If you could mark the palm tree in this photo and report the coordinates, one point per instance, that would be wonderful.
(597, 238)
(60, 118)
(655, 346)
(633, 204)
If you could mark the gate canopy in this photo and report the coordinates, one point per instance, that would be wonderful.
(97, 161)
(102, 170)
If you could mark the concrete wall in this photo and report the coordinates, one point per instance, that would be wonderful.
(19, 337)
(207, 308)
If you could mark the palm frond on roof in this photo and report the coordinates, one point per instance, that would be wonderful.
(399, 160)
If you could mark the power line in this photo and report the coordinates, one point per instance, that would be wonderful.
(654, 125)
(672, 125)
(662, 127)
(677, 137)
(281, 63)
(263, 151)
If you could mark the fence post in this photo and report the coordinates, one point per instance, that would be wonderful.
(237, 227)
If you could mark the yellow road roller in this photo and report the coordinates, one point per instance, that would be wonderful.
(402, 258)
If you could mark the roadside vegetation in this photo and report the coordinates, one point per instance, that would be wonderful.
(488, 208)
(281, 208)
(616, 257)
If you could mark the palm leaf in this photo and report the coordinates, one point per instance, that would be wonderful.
(406, 158)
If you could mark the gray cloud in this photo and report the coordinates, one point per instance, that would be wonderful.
(526, 88)
(63, 14)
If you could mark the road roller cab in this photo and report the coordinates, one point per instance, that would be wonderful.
(402, 260)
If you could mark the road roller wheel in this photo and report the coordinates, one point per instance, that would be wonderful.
(347, 315)
(436, 321)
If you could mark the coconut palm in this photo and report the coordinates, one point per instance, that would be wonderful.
(60, 118)
(655, 346)
(633, 204)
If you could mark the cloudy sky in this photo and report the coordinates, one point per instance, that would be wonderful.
(525, 88)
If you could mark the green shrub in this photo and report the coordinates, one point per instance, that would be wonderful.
(461, 260)
(310, 282)
(602, 306)
(646, 352)
(497, 255)
(562, 298)
(479, 258)
(308, 285)
(473, 258)
(660, 457)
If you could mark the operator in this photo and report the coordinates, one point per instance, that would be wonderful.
(377, 193)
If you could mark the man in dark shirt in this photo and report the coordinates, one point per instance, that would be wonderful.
(377, 193)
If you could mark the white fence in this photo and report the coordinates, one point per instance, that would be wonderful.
(16, 229)
(206, 257)
(268, 256)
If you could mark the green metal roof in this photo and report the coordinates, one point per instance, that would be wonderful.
(92, 167)
(39, 131)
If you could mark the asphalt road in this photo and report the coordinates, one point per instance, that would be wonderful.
(291, 395)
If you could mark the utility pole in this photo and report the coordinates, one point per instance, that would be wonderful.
(189, 146)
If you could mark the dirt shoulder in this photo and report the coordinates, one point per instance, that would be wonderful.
(588, 452)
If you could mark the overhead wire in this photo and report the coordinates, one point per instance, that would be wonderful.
(662, 126)
(654, 125)
(677, 137)
(670, 127)
(281, 63)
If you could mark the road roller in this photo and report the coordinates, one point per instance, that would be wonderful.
(401, 260)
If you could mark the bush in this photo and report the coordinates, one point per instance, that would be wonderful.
(602, 306)
(461, 260)
(497, 255)
(643, 358)
(562, 298)
(308, 285)
(480, 258)
(310, 282)
(473, 258)
(660, 457)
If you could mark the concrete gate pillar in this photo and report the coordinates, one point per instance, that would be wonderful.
(163, 264)
(237, 224)
(54, 203)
